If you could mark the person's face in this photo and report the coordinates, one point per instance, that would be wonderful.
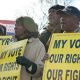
(69, 22)
(19, 30)
(53, 17)
(53, 20)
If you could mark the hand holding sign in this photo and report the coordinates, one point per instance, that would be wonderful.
(21, 60)
(29, 65)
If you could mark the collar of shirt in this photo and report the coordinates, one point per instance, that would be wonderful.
(31, 40)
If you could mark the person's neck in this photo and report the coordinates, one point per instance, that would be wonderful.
(57, 29)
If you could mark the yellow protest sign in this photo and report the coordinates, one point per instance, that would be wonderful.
(64, 57)
(9, 69)
(5, 40)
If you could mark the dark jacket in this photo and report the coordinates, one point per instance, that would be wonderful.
(44, 37)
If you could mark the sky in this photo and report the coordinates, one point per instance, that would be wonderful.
(12, 9)
(76, 3)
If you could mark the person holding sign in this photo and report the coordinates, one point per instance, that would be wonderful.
(32, 66)
(69, 20)
(53, 25)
